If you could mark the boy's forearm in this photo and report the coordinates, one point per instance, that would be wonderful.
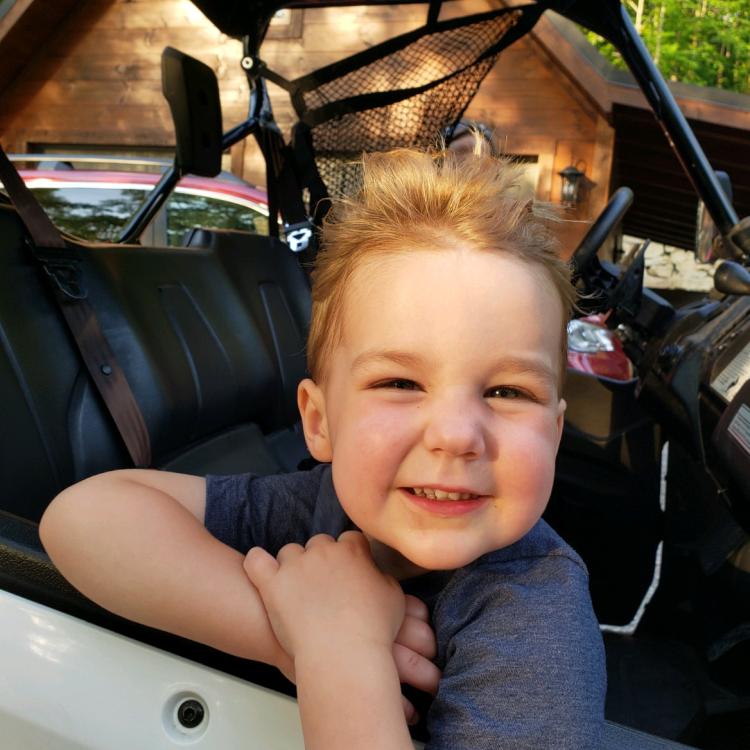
(137, 552)
(351, 697)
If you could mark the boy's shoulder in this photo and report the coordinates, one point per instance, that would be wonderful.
(536, 569)
(535, 590)
(541, 563)
(245, 510)
(537, 573)
(542, 541)
(302, 486)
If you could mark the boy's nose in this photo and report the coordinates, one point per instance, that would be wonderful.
(455, 428)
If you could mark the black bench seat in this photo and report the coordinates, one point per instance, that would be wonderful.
(210, 337)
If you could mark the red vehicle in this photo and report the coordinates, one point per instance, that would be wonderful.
(95, 202)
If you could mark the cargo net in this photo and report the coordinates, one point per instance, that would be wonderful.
(406, 98)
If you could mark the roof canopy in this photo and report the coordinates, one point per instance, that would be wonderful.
(239, 18)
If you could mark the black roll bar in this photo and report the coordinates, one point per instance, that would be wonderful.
(162, 190)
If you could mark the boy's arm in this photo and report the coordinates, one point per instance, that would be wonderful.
(134, 542)
(349, 697)
(337, 615)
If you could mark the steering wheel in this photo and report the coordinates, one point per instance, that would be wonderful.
(607, 220)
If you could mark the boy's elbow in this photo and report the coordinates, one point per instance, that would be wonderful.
(68, 516)
(61, 517)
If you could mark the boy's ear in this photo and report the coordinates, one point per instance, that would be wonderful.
(561, 407)
(312, 408)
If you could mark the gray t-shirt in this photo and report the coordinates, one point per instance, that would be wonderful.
(518, 643)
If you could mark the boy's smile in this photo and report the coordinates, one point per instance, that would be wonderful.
(439, 408)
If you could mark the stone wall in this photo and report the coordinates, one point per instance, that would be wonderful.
(672, 267)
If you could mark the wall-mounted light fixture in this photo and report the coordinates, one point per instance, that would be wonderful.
(571, 183)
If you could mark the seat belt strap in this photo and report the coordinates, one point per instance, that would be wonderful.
(61, 264)
(286, 192)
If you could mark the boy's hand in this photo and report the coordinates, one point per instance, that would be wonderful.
(414, 645)
(327, 592)
(337, 615)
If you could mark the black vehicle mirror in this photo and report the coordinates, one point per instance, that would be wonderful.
(709, 246)
(192, 91)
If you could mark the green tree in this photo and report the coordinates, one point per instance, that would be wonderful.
(704, 42)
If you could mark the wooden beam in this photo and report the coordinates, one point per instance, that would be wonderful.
(28, 27)
(9, 25)
(11, 17)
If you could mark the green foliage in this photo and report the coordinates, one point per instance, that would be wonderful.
(703, 42)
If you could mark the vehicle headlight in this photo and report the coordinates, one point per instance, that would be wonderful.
(589, 338)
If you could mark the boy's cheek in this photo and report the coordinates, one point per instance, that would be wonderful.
(374, 432)
(540, 434)
(531, 467)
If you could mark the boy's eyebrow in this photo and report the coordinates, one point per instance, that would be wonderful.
(527, 366)
(518, 365)
(393, 356)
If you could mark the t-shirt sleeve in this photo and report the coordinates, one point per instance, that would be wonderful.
(523, 660)
(246, 510)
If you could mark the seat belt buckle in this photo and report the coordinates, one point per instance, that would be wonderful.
(67, 277)
(298, 236)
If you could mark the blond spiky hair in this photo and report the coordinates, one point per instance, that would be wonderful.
(411, 200)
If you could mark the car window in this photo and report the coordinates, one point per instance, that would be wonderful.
(186, 210)
(91, 213)
(100, 213)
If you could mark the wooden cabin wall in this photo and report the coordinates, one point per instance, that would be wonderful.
(97, 84)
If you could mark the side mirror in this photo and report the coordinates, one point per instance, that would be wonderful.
(192, 91)
(709, 246)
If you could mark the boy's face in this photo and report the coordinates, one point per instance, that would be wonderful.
(440, 408)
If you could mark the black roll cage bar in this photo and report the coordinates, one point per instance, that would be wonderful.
(608, 18)
(168, 181)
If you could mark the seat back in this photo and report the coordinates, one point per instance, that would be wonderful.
(210, 338)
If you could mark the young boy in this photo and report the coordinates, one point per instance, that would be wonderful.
(436, 350)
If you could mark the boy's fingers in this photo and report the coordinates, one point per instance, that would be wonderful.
(289, 552)
(415, 670)
(357, 538)
(417, 608)
(318, 540)
(260, 567)
(418, 636)
(410, 713)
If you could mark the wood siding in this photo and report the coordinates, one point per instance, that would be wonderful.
(664, 204)
(98, 83)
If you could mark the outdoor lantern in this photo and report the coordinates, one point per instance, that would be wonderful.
(571, 182)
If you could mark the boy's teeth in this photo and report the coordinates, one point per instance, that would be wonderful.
(441, 495)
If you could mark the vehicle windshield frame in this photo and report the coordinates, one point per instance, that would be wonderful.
(607, 18)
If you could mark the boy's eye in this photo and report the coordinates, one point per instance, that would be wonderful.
(504, 391)
(399, 384)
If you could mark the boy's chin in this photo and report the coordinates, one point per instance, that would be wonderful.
(442, 559)
(393, 562)
(414, 560)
